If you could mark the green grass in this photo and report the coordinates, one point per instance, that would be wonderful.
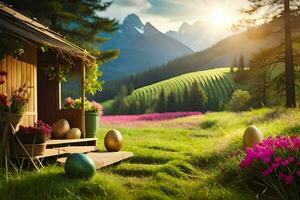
(216, 83)
(187, 158)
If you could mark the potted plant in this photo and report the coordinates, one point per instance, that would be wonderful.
(31, 140)
(11, 110)
(93, 111)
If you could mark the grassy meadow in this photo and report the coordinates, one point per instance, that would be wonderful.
(194, 157)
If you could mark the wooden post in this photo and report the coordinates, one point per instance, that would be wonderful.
(82, 100)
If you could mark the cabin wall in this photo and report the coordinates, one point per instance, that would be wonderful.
(19, 72)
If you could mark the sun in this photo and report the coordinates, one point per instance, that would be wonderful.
(220, 17)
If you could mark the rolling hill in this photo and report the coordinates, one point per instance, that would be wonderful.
(217, 84)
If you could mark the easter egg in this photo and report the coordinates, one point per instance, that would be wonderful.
(79, 165)
(252, 136)
(60, 128)
(113, 140)
(73, 133)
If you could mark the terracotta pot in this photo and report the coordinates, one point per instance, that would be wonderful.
(32, 149)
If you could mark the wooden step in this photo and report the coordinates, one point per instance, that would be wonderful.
(71, 142)
(104, 159)
(59, 151)
(76, 149)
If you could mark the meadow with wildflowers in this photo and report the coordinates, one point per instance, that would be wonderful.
(192, 157)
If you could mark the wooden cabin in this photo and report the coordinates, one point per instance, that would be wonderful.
(45, 101)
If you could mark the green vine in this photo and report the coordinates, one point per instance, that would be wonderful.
(14, 47)
(10, 46)
(92, 83)
(57, 72)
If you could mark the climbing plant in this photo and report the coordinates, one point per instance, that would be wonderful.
(10, 45)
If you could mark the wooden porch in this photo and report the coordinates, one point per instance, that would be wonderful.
(60, 149)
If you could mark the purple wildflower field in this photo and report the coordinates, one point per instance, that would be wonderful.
(146, 117)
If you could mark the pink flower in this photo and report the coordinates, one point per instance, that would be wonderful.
(69, 102)
(278, 159)
(291, 159)
(275, 165)
(285, 163)
(147, 117)
(265, 173)
(3, 100)
(288, 179)
(3, 73)
(281, 175)
(270, 153)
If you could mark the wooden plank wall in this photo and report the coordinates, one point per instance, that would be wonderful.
(19, 72)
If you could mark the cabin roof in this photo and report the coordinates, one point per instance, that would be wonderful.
(24, 27)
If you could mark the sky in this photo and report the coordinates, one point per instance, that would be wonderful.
(169, 14)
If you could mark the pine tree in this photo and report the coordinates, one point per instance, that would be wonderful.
(268, 10)
(161, 104)
(78, 20)
(241, 64)
(134, 107)
(121, 103)
(171, 102)
(198, 99)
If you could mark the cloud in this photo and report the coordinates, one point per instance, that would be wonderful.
(132, 3)
(166, 14)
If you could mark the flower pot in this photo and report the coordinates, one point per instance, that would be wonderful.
(91, 124)
(32, 138)
(7, 117)
(32, 149)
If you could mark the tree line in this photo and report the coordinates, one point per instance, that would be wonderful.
(193, 99)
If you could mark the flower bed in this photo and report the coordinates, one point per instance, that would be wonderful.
(275, 162)
(147, 117)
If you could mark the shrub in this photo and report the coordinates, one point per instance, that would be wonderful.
(240, 101)
(275, 162)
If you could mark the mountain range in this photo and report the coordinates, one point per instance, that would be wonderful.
(141, 46)
(199, 35)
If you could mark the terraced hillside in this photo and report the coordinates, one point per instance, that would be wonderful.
(217, 84)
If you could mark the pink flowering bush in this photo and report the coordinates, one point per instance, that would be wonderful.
(276, 162)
